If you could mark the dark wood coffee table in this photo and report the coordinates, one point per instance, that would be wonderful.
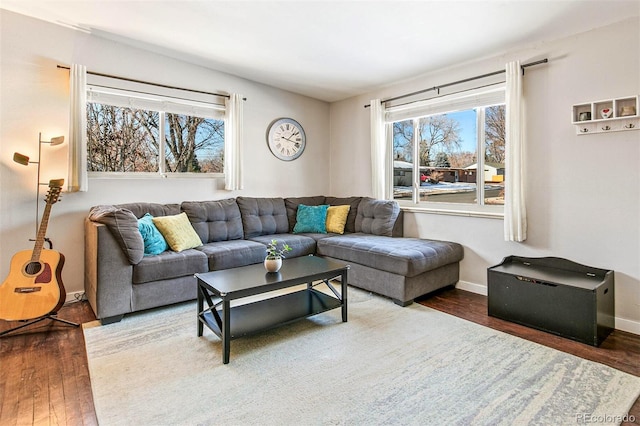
(219, 288)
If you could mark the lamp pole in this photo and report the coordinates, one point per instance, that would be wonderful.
(24, 160)
(38, 182)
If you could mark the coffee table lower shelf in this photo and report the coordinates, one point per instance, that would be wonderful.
(269, 313)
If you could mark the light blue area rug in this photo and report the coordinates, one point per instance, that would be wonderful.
(386, 365)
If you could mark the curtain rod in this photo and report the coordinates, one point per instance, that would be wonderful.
(395, 98)
(153, 84)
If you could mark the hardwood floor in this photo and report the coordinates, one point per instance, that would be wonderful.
(44, 379)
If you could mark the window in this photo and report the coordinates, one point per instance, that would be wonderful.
(132, 133)
(193, 144)
(435, 146)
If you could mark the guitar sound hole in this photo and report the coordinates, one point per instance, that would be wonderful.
(33, 268)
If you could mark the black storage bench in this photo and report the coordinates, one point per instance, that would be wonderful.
(554, 295)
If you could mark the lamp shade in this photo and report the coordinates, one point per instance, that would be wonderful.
(20, 159)
(57, 140)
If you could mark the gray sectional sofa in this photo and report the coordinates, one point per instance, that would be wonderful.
(234, 232)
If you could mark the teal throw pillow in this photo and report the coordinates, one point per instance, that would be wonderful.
(311, 219)
(154, 242)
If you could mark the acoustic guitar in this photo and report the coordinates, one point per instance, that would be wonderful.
(34, 286)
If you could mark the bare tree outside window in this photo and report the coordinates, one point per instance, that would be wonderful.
(495, 134)
(121, 139)
(438, 133)
(194, 144)
(403, 140)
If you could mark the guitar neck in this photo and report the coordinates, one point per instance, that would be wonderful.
(42, 232)
(55, 186)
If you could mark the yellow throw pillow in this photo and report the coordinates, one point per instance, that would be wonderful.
(337, 219)
(178, 232)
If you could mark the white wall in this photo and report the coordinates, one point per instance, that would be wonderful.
(34, 98)
(583, 191)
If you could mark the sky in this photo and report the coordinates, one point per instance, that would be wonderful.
(468, 129)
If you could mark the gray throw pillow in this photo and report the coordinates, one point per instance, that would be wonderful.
(123, 224)
(377, 217)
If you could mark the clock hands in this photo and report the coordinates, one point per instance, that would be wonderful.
(296, 144)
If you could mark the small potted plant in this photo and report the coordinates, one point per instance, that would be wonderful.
(273, 261)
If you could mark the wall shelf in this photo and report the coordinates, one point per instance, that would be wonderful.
(623, 115)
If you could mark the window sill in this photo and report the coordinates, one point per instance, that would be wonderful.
(454, 212)
(131, 175)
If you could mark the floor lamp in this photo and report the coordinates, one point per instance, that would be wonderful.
(24, 160)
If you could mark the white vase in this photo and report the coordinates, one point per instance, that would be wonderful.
(273, 265)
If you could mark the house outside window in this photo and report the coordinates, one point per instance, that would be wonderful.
(132, 134)
(435, 146)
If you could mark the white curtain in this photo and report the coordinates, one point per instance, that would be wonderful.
(77, 179)
(233, 143)
(515, 214)
(379, 160)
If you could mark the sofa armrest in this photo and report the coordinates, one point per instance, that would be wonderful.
(108, 273)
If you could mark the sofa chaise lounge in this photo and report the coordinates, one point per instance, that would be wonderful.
(120, 279)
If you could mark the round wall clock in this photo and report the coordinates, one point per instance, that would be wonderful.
(286, 139)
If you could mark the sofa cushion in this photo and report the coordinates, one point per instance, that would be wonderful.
(377, 217)
(337, 218)
(292, 204)
(263, 216)
(353, 203)
(215, 220)
(403, 256)
(301, 245)
(178, 232)
(233, 253)
(154, 242)
(123, 224)
(169, 264)
(311, 219)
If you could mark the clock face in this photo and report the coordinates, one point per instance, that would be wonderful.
(286, 139)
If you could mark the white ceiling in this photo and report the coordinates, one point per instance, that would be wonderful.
(329, 50)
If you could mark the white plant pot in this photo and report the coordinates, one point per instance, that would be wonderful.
(272, 265)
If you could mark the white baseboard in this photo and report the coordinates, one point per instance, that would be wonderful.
(622, 324)
(472, 287)
(75, 296)
(628, 325)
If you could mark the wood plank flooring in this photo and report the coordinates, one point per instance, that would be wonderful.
(44, 379)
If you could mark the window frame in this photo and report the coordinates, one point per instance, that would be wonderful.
(478, 99)
(163, 104)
